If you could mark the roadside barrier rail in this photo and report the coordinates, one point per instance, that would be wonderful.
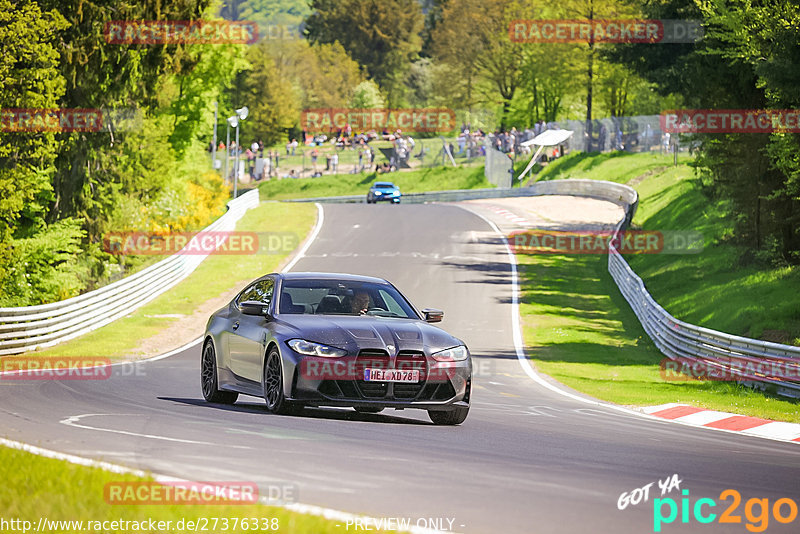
(29, 328)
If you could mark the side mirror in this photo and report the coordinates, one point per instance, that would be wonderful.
(432, 315)
(251, 307)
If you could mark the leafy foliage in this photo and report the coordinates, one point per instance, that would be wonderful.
(383, 36)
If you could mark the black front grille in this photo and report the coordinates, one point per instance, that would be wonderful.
(371, 359)
(410, 360)
(358, 388)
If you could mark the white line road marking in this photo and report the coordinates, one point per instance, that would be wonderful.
(73, 422)
(541, 410)
(302, 252)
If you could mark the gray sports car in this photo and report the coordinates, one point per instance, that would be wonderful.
(318, 339)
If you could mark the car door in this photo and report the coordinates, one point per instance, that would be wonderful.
(247, 340)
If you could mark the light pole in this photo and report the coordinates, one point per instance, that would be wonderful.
(232, 121)
(241, 114)
(214, 145)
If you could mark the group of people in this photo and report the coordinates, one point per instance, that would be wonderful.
(249, 159)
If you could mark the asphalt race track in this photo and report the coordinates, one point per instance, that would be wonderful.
(526, 460)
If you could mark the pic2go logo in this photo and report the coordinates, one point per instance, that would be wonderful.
(756, 511)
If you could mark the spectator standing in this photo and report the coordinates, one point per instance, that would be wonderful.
(601, 138)
(249, 162)
(335, 162)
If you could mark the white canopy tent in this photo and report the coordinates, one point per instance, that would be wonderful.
(544, 139)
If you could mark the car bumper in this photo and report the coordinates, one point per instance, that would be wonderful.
(387, 198)
(321, 382)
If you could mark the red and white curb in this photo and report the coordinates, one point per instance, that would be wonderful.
(753, 426)
(511, 216)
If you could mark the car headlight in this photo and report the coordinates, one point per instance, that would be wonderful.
(309, 348)
(457, 354)
(378, 193)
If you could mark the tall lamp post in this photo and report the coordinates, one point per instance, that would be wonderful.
(214, 143)
(232, 121)
(241, 114)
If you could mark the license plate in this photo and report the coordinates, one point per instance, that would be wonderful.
(390, 375)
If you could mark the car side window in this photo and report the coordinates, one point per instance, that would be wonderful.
(261, 292)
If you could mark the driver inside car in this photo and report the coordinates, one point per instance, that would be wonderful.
(360, 303)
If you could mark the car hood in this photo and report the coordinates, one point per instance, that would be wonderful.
(355, 333)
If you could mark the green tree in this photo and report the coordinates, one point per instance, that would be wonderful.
(367, 95)
(273, 102)
(276, 19)
(472, 39)
(381, 35)
(323, 75)
(747, 59)
(37, 260)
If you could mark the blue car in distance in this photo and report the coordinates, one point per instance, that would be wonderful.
(384, 191)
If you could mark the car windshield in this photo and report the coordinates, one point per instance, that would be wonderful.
(385, 186)
(341, 297)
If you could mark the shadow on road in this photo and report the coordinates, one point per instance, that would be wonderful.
(336, 414)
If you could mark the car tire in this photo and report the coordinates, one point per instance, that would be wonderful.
(451, 417)
(368, 410)
(208, 378)
(273, 384)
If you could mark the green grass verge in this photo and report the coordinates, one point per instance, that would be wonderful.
(619, 167)
(215, 276)
(715, 288)
(36, 487)
(416, 181)
(581, 331)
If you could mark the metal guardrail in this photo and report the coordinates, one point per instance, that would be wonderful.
(704, 352)
(33, 327)
(610, 191)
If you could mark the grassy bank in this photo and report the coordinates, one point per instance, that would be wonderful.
(216, 276)
(582, 332)
(620, 167)
(35, 487)
(720, 288)
(417, 181)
